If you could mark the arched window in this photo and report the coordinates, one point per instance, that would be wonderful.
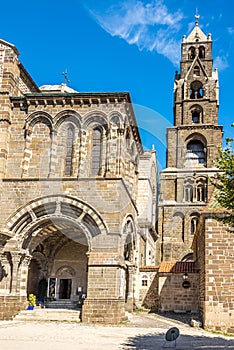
(129, 244)
(196, 71)
(96, 151)
(193, 223)
(115, 121)
(191, 53)
(201, 52)
(201, 190)
(188, 193)
(69, 151)
(196, 90)
(144, 281)
(195, 153)
(196, 112)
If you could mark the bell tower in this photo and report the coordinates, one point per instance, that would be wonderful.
(192, 146)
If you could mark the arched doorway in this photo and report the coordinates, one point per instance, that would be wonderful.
(51, 237)
(59, 261)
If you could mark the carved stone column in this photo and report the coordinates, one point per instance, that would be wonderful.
(15, 257)
(23, 275)
(5, 279)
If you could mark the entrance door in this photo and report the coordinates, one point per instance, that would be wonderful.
(65, 288)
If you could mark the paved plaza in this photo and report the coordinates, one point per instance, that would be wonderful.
(141, 332)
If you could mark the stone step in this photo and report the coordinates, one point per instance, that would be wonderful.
(61, 304)
(39, 314)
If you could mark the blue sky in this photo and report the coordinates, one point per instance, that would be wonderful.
(131, 45)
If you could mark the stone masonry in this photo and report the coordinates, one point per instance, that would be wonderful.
(78, 195)
(193, 144)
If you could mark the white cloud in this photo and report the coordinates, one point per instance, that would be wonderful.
(221, 62)
(230, 30)
(149, 26)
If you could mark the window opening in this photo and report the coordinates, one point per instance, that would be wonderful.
(69, 151)
(191, 53)
(193, 227)
(196, 117)
(144, 281)
(201, 52)
(96, 152)
(188, 193)
(195, 152)
(196, 71)
(196, 90)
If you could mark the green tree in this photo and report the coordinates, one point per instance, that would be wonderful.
(224, 182)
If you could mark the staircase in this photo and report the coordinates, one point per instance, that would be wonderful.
(62, 304)
(53, 313)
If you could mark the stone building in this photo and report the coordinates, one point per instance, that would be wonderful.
(78, 196)
(193, 144)
(213, 247)
(195, 250)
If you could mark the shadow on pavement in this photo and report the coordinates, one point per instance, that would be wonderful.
(181, 317)
(186, 342)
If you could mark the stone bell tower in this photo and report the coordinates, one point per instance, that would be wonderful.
(192, 146)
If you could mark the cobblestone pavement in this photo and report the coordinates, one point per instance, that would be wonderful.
(143, 331)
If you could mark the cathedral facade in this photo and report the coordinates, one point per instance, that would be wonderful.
(78, 196)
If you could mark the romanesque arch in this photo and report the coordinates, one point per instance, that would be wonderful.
(67, 116)
(47, 234)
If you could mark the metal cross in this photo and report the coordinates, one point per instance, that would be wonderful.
(65, 74)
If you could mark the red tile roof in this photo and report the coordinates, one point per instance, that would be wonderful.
(178, 267)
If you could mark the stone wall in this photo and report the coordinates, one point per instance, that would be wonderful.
(10, 306)
(214, 246)
(174, 297)
(103, 311)
(148, 286)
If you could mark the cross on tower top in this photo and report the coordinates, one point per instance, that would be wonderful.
(65, 74)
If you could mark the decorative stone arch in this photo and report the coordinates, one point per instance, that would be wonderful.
(39, 117)
(22, 225)
(196, 136)
(65, 270)
(94, 119)
(116, 118)
(185, 255)
(68, 116)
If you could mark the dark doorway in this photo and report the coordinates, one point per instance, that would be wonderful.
(65, 288)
